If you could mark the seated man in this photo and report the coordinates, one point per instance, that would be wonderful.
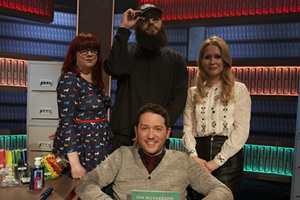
(130, 167)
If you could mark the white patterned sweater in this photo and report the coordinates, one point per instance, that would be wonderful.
(214, 118)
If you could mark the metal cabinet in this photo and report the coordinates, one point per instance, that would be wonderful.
(42, 112)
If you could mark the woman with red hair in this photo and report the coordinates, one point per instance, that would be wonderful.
(83, 133)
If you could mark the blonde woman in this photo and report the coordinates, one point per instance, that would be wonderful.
(217, 115)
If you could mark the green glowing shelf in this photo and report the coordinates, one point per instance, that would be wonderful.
(258, 158)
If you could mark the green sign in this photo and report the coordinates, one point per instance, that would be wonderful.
(154, 195)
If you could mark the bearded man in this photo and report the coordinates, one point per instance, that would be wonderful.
(146, 72)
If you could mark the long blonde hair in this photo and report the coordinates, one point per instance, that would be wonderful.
(227, 77)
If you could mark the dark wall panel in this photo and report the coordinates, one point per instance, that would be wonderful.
(96, 17)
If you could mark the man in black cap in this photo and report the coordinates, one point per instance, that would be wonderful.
(146, 72)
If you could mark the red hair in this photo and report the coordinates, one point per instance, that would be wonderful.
(84, 41)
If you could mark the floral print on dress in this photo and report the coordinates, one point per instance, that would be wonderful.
(225, 126)
(203, 128)
(225, 109)
(203, 109)
(219, 157)
(214, 124)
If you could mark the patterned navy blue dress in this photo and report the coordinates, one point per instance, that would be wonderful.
(80, 101)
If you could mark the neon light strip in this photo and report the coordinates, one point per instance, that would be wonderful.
(258, 158)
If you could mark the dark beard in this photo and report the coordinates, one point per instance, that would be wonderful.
(151, 41)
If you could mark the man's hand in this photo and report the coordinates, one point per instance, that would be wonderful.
(130, 18)
(202, 163)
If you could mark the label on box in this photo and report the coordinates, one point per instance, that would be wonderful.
(155, 195)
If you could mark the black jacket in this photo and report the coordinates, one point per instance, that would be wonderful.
(144, 76)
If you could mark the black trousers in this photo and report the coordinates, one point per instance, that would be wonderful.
(231, 173)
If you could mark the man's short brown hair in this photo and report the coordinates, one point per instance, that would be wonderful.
(156, 109)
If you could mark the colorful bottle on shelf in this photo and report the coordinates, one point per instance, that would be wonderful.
(38, 181)
(2, 153)
(8, 153)
(37, 175)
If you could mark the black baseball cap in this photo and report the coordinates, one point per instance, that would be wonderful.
(146, 7)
